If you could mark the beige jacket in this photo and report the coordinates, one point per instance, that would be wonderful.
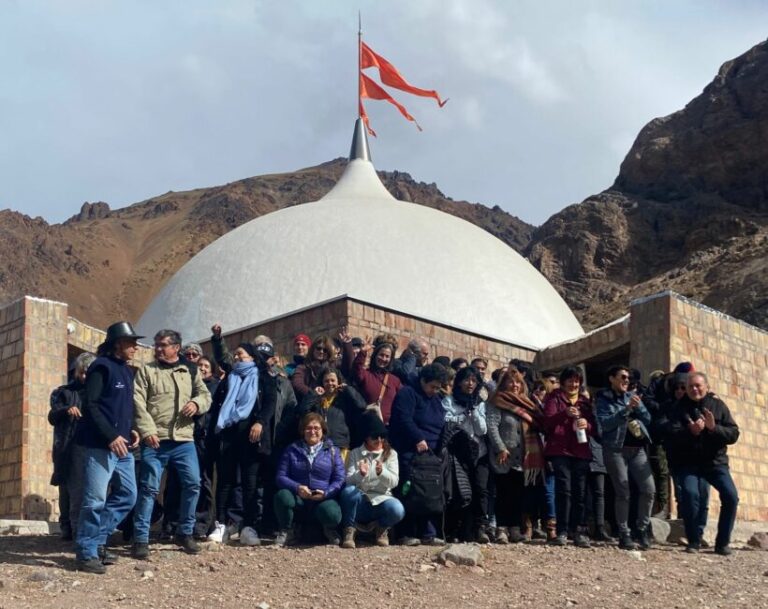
(159, 395)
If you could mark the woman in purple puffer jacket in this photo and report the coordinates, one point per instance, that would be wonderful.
(310, 475)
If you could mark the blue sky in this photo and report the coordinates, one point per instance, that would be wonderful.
(121, 101)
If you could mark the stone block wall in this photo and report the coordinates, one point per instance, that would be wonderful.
(734, 355)
(366, 320)
(11, 404)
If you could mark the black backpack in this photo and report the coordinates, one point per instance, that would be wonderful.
(424, 492)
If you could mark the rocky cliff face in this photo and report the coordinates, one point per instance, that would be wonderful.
(109, 264)
(688, 211)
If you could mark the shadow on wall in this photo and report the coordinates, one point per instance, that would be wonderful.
(35, 507)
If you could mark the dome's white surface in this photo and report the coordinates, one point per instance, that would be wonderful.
(360, 241)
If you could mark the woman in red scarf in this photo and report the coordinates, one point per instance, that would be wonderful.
(517, 459)
(568, 421)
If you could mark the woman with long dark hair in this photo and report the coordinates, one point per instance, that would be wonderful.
(307, 376)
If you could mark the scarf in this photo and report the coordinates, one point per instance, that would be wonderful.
(242, 388)
(529, 414)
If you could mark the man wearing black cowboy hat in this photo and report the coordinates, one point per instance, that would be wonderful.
(105, 432)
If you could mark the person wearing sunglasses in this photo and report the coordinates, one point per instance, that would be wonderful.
(307, 376)
(366, 502)
(624, 421)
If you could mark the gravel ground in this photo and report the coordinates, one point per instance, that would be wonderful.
(38, 572)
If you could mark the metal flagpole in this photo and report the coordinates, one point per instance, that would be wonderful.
(359, 59)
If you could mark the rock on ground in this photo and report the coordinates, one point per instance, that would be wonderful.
(462, 554)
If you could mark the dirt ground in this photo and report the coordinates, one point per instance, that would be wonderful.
(38, 572)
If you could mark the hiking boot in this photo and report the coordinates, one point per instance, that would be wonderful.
(515, 536)
(332, 536)
(140, 550)
(527, 529)
(187, 543)
(409, 541)
(433, 541)
(92, 565)
(501, 536)
(538, 533)
(602, 535)
(580, 540)
(382, 536)
(644, 540)
(723, 550)
(551, 526)
(558, 540)
(482, 536)
(106, 557)
(349, 538)
(626, 542)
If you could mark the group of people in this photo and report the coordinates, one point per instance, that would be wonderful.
(351, 439)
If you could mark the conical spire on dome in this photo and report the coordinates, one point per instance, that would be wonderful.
(359, 180)
(360, 149)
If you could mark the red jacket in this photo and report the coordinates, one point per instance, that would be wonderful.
(558, 426)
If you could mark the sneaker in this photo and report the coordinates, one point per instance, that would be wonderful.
(187, 543)
(409, 541)
(626, 543)
(382, 537)
(723, 550)
(501, 536)
(558, 540)
(581, 541)
(349, 538)
(230, 532)
(106, 557)
(332, 536)
(286, 537)
(92, 565)
(692, 548)
(217, 535)
(538, 533)
(140, 551)
(249, 537)
(704, 544)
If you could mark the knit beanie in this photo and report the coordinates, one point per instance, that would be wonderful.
(248, 348)
(685, 367)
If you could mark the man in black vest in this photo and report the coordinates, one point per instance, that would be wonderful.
(105, 432)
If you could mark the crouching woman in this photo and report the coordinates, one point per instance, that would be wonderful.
(310, 475)
(372, 472)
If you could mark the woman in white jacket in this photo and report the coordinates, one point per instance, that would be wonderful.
(366, 501)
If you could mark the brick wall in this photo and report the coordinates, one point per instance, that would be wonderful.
(11, 399)
(734, 355)
(363, 319)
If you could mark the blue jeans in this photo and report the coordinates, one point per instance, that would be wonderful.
(183, 457)
(355, 507)
(690, 481)
(101, 513)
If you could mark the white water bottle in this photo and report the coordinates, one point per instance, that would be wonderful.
(581, 436)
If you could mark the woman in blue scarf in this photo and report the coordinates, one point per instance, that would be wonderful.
(244, 404)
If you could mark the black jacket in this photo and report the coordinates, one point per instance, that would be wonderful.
(341, 418)
(64, 427)
(709, 447)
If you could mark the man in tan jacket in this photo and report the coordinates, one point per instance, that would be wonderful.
(167, 394)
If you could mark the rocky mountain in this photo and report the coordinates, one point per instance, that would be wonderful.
(688, 210)
(109, 264)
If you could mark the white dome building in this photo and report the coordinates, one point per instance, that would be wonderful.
(360, 243)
